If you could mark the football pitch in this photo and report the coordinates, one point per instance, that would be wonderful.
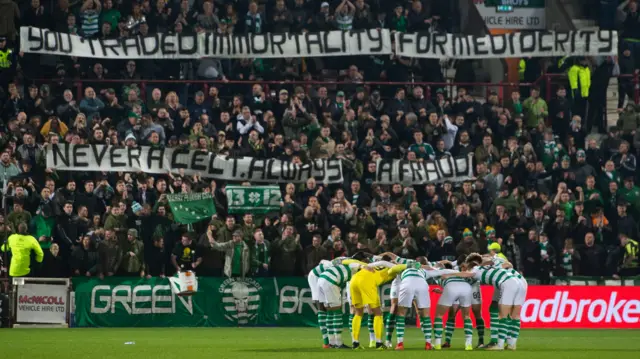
(190, 343)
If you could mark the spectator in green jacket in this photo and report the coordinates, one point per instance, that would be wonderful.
(132, 256)
(117, 222)
(19, 215)
(535, 109)
(225, 232)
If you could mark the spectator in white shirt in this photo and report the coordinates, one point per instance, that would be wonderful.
(247, 121)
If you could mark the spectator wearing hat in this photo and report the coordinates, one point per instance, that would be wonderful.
(583, 169)
(130, 126)
(324, 20)
(109, 255)
(237, 261)
(468, 244)
(132, 264)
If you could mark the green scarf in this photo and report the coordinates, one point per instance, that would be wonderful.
(567, 263)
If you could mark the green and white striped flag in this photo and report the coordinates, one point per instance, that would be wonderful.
(254, 199)
(189, 208)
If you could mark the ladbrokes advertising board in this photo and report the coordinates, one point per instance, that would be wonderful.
(287, 302)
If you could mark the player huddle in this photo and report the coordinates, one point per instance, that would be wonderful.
(362, 275)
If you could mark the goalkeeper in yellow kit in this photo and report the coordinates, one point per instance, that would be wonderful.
(364, 291)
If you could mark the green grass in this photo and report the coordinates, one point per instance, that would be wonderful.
(251, 343)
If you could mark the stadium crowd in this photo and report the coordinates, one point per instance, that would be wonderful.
(554, 201)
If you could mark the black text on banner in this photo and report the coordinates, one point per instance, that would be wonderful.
(516, 44)
(196, 46)
(419, 173)
(67, 157)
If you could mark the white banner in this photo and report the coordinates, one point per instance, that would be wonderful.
(420, 173)
(317, 44)
(195, 46)
(42, 303)
(516, 44)
(147, 159)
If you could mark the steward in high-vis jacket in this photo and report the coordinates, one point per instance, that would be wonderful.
(580, 83)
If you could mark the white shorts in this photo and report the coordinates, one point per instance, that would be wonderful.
(414, 288)
(395, 288)
(456, 293)
(346, 288)
(329, 294)
(313, 285)
(513, 292)
(476, 293)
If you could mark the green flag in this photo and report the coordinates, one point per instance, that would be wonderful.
(254, 199)
(189, 208)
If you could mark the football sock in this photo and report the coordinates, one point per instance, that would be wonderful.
(372, 333)
(322, 323)
(330, 329)
(515, 325)
(425, 325)
(378, 328)
(480, 328)
(448, 332)
(468, 331)
(502, 331)
(355, 324)
(437, 329)
(495, 325)
(400, 328)
(350, 323)
(337, 327)
(390, 325)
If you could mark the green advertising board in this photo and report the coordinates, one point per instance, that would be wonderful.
(125, 302)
